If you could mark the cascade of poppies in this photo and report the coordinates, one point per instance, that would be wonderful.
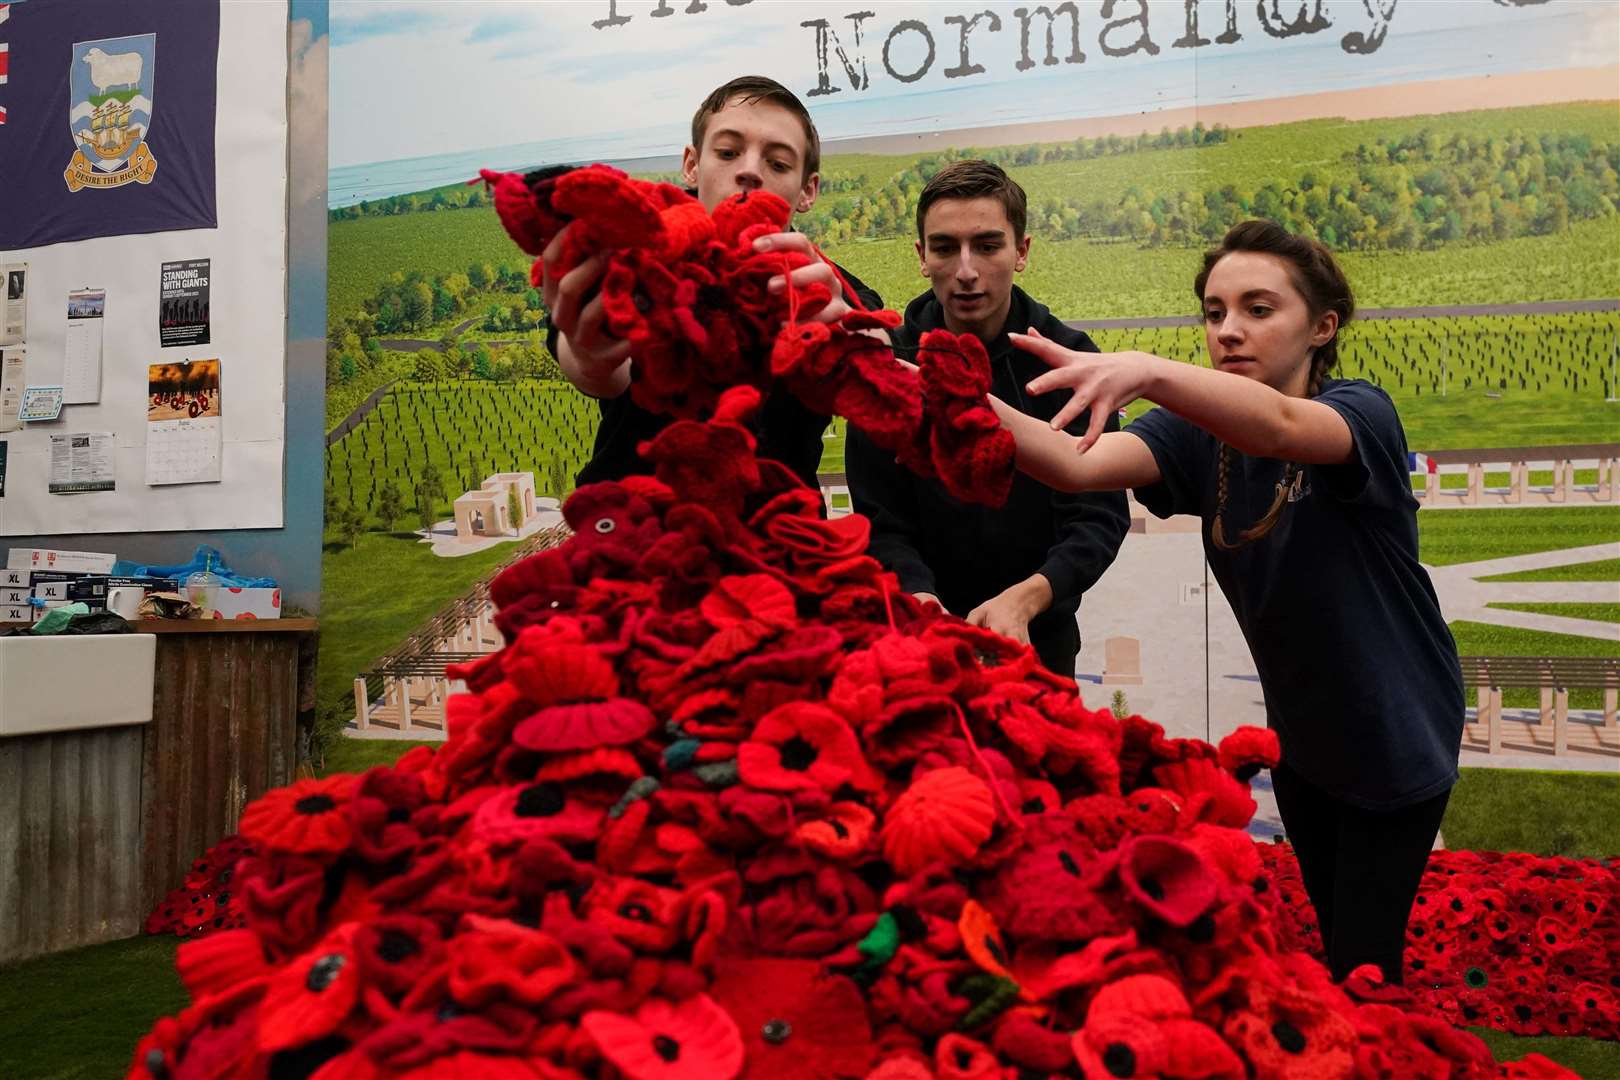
(730, 804)
(689, 292)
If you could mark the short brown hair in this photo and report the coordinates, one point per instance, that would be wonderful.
(975, 179)
(749, 89)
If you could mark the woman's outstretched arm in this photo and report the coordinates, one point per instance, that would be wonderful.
(1117, 461)
(1244, 413)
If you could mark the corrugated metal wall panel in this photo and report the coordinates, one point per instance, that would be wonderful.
(70, 839)
(222, 734)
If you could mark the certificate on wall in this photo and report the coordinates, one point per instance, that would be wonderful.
(184, 423)
(82, 462)
(13, 381)
(14, 315)
(81, 364)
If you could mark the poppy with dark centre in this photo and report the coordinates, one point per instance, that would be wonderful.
(324, 971)
(539, 800)
(1067, 862)
(301, 1062)
(1119, 1060)
(1289, 1037)
(798, 753)
(1476, 978)
(666, 1048)
(306, 818)
(776, 1031)
(397, 946)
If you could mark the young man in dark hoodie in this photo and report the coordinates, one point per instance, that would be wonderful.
(750, 134)
(1019, 569)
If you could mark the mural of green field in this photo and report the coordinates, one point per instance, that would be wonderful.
(430, 307)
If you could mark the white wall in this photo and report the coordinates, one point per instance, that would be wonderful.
(248, 313)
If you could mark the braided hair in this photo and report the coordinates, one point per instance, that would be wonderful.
(1316, 274)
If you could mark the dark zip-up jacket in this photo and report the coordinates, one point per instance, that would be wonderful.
(966, 554)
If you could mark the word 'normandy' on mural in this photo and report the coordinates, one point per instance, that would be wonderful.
(1120, 20)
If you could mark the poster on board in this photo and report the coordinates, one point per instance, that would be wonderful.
(183, 303)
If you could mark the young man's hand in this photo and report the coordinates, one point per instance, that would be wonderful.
(1008, 613)
(592, 358)
(930, 598)
(820, 270)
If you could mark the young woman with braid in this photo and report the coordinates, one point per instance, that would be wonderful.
(1311, 529)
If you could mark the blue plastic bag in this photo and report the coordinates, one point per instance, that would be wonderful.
(199, 561)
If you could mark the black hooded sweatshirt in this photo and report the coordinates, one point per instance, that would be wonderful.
(966, 554)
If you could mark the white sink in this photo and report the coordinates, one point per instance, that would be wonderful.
(71, 683)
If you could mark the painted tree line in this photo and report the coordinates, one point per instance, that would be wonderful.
(1417, 192)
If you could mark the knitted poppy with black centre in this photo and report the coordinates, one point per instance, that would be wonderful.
(309, 817)
(662, 1040)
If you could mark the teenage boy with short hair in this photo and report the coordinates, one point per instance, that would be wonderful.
(750, 134)
(1019, 569)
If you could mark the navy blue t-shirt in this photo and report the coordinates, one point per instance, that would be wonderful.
(1359, 670)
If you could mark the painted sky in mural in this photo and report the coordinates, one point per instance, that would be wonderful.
(521, 76)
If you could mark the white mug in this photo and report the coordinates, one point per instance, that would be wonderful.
(125, 600)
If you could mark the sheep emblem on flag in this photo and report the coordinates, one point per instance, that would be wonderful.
(110, 112)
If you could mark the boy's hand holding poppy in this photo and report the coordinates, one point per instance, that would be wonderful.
(818, 272)
(575, 302)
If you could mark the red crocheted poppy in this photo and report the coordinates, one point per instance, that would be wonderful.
(530, 225)
(811, 915)
(548, 671)
(621, 212)
(735, 215)
(309, 817)
(494, 958)
(382, 812)
(460, 1064)
(796, 1022)
(638, 913)
(693, 1040)
(803, 746)
(218, 962)
(535, 811)
(757, 597)
(945, 815)
(799, 655)
(710, 464)
(311, 997)
(1166, 879)
(843, 832)
(397, 951)
(877, 395)
(281, 897)
(1249, 749)
(585, 725)
(1208, 793)
(1290, 1032)
(815, 542)
(431, 1026)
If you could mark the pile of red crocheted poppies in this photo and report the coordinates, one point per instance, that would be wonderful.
(1516, 942)
(730, 804)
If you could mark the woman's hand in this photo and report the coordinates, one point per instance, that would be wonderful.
(1102, 382)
